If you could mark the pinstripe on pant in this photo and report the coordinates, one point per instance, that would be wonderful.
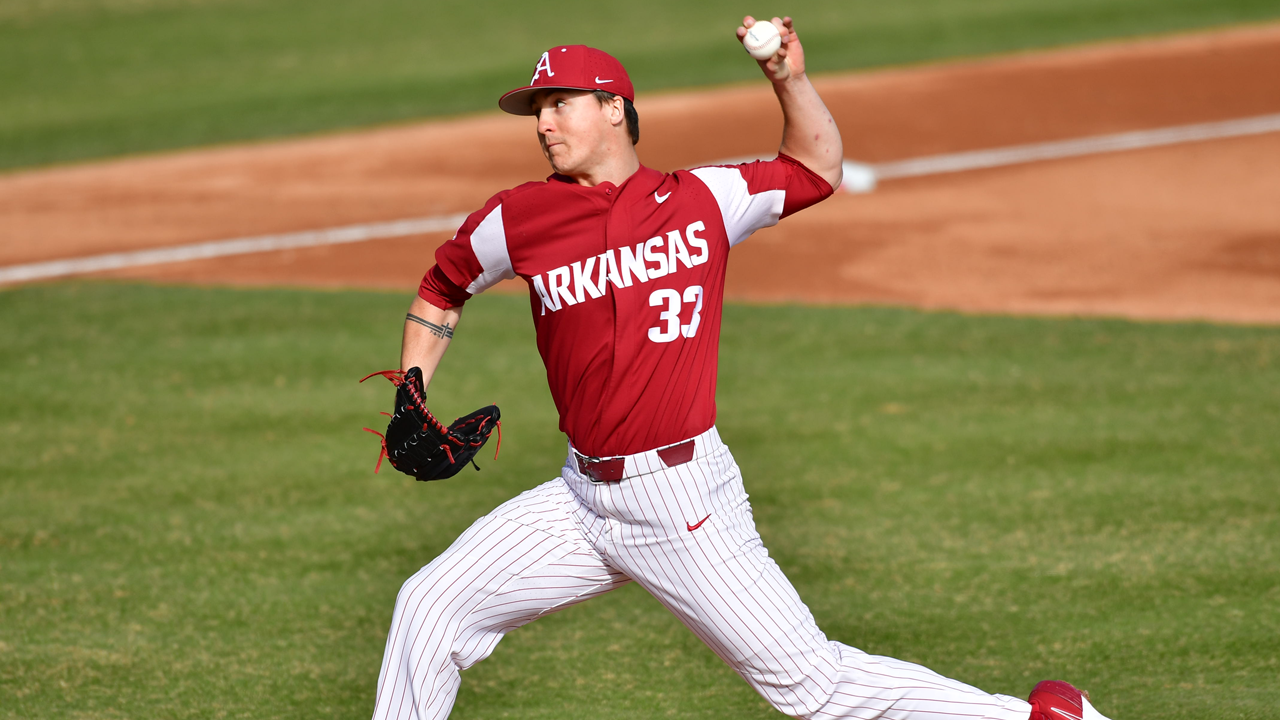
(570, 539)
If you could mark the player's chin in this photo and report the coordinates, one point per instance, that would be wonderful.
(561, 162)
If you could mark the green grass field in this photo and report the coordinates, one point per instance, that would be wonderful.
(190, 526)
(93, 78)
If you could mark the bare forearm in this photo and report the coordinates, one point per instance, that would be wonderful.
(427, 333)
(809, 133)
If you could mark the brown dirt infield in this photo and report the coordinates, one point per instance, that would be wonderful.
(1189, 231)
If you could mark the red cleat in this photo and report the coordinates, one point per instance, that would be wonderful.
(1056, 700)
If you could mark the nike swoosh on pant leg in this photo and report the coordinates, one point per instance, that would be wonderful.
(699, 524)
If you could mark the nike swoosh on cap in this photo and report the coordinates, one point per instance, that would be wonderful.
(1065, 714)
(601, 82)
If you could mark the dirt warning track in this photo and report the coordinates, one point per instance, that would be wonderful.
(1182, 231)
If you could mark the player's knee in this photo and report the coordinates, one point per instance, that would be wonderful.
(801, 700)
(418, 622)
(407, 615)
(408, 589)
(419, 595)
(801, 693)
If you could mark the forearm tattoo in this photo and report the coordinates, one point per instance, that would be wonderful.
(444, 333)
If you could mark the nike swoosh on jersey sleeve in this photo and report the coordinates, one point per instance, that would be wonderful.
(744, 212)
(489, 243)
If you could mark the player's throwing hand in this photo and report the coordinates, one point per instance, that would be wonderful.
(788, 61)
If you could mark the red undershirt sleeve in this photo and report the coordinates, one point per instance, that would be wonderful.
(439, 290)
(804, 187)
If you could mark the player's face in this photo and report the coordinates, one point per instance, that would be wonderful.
(573, 129)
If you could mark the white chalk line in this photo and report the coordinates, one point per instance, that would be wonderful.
(859, 177)
(1018, 154)
(237, 246)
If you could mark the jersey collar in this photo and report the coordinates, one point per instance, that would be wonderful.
(643, 181)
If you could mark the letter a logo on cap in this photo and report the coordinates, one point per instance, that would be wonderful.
(578, 67)
(543, 64)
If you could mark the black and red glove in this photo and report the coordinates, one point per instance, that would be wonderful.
(418, 445)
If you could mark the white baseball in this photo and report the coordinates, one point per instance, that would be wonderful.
(762, 40)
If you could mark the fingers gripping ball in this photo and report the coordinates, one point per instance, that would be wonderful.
(762, 40)
(418, 445)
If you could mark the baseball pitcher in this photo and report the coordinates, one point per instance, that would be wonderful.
(625, 267)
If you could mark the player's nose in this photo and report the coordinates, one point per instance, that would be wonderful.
(545, 125)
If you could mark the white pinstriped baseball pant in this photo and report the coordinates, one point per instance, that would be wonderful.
(571, 539)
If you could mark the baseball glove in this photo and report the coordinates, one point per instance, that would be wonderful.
(417, 444)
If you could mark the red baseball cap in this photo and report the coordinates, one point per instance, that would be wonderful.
(571, 67)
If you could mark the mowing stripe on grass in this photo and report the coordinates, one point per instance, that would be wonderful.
(860, 178)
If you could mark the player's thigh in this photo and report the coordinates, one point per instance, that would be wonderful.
(526, 559)
(742, 606)
(719, 580)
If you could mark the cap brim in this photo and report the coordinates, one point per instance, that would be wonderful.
(519, 101)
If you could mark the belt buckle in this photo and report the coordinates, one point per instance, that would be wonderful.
(587, 466)
(584, 467)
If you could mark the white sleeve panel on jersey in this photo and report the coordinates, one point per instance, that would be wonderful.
(743, 212)
(489, 243)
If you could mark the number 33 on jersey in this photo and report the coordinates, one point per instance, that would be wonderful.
(625, 286)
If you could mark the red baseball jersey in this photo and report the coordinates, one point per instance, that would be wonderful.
(626, 284)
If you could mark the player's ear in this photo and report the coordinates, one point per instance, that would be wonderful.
(617, 110)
